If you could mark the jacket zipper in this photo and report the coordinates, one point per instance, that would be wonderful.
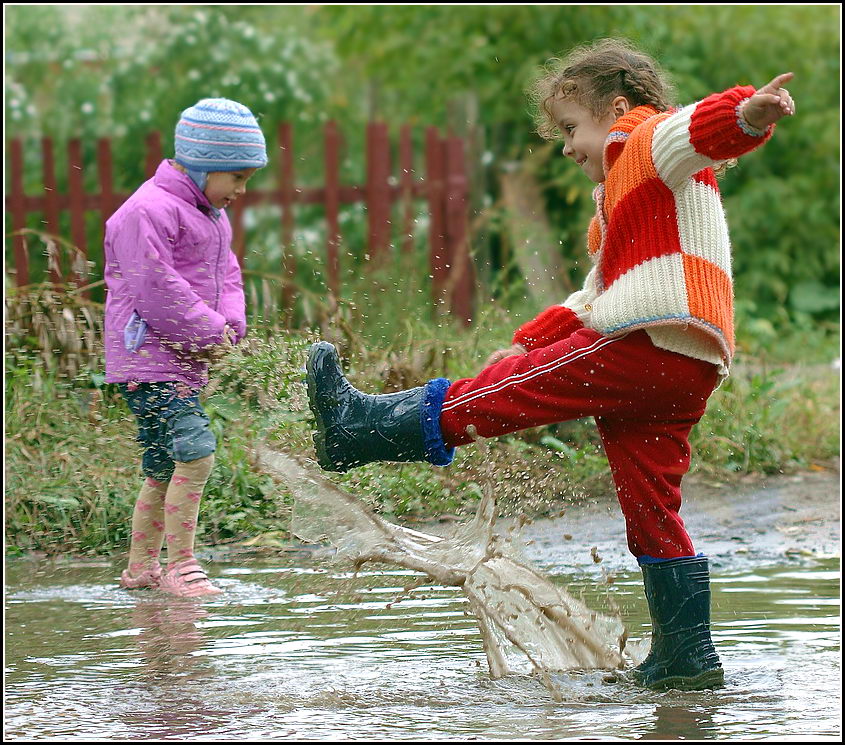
(217, 268)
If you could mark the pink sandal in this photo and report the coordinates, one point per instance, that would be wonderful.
(187, 579)
(150, 577)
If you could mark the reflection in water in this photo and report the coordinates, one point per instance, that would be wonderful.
(680, 723)
(170, 641)
(301, 651)
(168, 636)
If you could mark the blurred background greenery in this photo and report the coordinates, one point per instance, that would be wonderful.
(123, 71)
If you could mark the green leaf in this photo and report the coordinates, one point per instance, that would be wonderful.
(69, 503)
(558, 445)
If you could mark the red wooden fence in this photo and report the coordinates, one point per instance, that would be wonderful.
(445, 187)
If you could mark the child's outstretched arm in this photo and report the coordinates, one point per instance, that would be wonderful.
(722, 126)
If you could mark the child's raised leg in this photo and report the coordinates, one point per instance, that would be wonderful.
(645, 399)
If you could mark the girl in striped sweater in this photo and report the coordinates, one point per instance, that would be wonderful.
(640, 347)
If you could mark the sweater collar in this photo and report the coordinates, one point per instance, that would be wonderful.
(621, 130)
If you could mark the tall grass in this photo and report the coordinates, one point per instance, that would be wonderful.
(72, 465)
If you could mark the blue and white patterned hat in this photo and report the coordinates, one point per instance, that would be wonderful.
(217, 134)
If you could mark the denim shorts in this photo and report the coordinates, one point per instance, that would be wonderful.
(172, 425)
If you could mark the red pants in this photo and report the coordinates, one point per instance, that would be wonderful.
(645, 401)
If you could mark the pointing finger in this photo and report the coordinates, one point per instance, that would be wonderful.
(778, 81)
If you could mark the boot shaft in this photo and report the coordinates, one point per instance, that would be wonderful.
(682, 653)
(678, 592)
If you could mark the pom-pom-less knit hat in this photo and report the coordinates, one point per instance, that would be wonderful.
(217, 134)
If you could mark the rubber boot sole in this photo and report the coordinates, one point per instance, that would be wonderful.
(702, 681)
(319, 437)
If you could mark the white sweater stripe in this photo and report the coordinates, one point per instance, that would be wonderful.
(673, 153)
(702, 227)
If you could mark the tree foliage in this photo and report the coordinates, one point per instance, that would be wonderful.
(782, 202)
(122, 71)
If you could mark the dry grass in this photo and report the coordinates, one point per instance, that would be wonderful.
(64, 328)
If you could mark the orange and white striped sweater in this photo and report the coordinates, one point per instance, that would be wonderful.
(659, 240)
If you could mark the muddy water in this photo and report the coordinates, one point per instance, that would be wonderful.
(302, 649)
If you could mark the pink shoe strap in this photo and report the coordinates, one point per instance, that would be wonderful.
(191, 571)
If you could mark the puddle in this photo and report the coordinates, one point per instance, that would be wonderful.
(297, 648)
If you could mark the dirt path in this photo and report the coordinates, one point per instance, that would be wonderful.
(764, 521)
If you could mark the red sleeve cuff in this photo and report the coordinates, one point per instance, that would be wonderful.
(552, 325)
(715, 128)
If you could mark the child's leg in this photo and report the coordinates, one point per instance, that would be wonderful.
(586, 374)
(583, 375)
(645, 401)
(147, 526)
(146, 400)
(648, 461)
(184, 576)
(178, 457)
(182, 506)
(191, 445)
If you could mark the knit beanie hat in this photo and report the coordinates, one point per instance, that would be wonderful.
(217, 134)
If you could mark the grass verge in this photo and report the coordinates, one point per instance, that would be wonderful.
(72, 464)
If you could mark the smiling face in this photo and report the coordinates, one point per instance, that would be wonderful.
(224, 187)
(583, 134)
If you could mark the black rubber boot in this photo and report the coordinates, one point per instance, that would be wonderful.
(355, 428)
(682, 653)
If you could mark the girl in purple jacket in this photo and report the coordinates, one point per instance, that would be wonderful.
(175, 301)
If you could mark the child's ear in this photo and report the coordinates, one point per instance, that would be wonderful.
(620, 106)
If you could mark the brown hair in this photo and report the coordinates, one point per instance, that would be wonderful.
(594, 74)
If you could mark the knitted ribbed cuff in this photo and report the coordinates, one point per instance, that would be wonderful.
(743, 123)
(715, 130)
(436, 451)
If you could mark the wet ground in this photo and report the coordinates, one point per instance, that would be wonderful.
(299, 649)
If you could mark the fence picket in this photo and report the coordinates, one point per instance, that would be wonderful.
(154, 154)
(332, 175)
(104, 172)
(444, 187)
(378, 190)
(406, 180)
(287, 194)
(76, 195)
(51, 207)
(437, 222)
(15, 204)
(461, 272)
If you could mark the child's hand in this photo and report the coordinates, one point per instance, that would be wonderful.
(500, 354)
(769, 103)
(218, 351)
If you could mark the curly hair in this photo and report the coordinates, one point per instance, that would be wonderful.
(593, 75)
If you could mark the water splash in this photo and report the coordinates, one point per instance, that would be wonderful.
(521, 614)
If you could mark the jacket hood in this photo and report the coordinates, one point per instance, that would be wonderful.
(173, 181)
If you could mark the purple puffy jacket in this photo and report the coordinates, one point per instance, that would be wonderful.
(168, 262)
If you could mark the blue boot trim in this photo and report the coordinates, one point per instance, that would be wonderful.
(646, 559)
(436, 451)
